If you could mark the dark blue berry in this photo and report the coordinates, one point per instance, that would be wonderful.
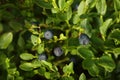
(73, 59)
(58, 51)
(48, 34)
(83, 39)
(42, 56)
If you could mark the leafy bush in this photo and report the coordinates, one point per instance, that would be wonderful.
(59, 39)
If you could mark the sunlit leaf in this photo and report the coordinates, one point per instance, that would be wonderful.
(104, 27)
(101, 7)
(26, 56)
(5, 40)
(68, 69)
(82, 77)
(81, 8)
(26, 66)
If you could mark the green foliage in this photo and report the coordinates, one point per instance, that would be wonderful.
(22, 27)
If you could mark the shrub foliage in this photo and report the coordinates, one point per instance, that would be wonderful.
(59, 39)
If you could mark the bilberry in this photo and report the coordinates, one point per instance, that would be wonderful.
(42, 56)
(83, 39)
(58, 51)
(48, 34)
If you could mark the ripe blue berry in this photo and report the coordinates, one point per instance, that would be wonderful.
(42, 56)
(48, 34)
(73, 59)
(58, 51)
(83, 39)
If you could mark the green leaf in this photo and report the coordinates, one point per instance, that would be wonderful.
(68, 69)
(69, 13)
(61, 4)
(91, 3)
(76, 19)
(36, 63)
(21, 42)
(104, 27)
(107, 62)
(86, 26)
(81, 8)
(40, 48)
(15, 26)
(44, 3)
(115, 34)
(97, 41)
(26, 66)
(47, 65)
(47, 75)
(42, 70)
(35, 40)
(117, 5)
(5, 40)
(101, 7)
(85, 53)
(26, 56)
(90, 65)
(73, 42)
(82, 77)
(116, 52)
(62, 37)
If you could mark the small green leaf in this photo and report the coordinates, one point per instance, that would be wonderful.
(69, 13)
(76, 19)
(107, 62)
(47, 75)
(86, 26)
(101, 7)
(44, 3)
(81, 8)
(36, 63)
(26, 66)
(91, 3)
(21, 42)
(62, 37)
(40, 48)
(15, 26)
(104, 27)
(26, 56)
(42, 70)
(117, 5)
(68, 69)
(35, 40)
(82, 77)
(48, 65)
(90, 65)
(85, 53)
(73, 42)
(5, 40)
(115, 34)
(116, 52)
(61, 4)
